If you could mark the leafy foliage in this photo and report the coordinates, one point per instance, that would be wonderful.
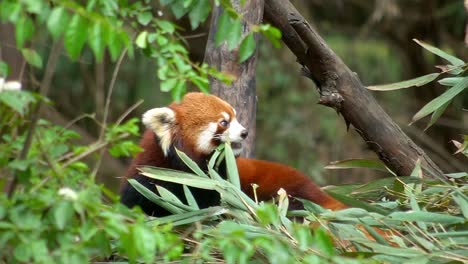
(56, 212)
(457, 85)
(420, 220)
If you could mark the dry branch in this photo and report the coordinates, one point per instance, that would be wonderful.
(341, 89)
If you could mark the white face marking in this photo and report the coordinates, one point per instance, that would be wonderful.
(160, 120)
(234, 131)
(226, 116)
(204, 143)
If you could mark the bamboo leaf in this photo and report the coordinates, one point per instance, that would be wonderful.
(231, 166)
(191, 164)
(451, 81)
(190, 199)
(437, 114)
(419, 81)
(462, 201)
(452, 59)
(358, 163)
(189, 217)
(154, 197)
(427, 217)
(167, 195)
(179, 177)
(441, 100)
(356, 203)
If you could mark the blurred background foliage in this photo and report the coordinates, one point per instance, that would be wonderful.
(373, 37)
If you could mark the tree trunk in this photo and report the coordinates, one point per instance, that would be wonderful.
(341, 89)
(242, 93)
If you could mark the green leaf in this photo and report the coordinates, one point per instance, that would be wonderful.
(356, 203)
(457, 175)
(179, 90)
(168, 195)
(4, 69)
(97, 40)
(144, 18)
(62, 213)
(145, 242)
(166, 26)
(451, 81)
(358, 163)
(223, 29)
(427, 217)
(32, 58)
(272, 34)
(453, 60)
(75, 36)
(168, 84)
(419, 81)
(140, 40)
(179, 9)
(324, 242)
(19, 101)
(191, 164)
(190, 217)
(57, 19)
(10, 11)
(199, 12)
(462, 202)
(441, 100)
(165, 2)
(115, 44)
(231, 166)
(247, 48)
(179, 177)
(436, 115)
(23, 31)
(234, 34)
(23, 252)
(148, 194)
(190, 198)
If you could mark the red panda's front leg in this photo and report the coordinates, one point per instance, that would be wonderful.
(270, 177)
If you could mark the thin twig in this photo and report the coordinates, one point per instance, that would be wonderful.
(98, 145)
(106, 110)
(43, 90)
(128, 111)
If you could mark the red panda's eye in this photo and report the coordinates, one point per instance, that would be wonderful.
(224, 123)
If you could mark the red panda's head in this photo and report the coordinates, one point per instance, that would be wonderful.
(199, 123)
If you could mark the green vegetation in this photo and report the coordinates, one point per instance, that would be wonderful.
(54, 211)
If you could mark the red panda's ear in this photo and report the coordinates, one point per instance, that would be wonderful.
(160, 121)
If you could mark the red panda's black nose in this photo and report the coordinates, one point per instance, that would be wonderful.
(244, 133)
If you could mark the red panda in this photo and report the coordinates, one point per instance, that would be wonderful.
(196, 126)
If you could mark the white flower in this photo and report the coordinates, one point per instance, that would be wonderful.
(160, 13)
(68, 193)
(10, 85)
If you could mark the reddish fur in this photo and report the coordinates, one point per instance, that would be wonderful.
(192, 115)
(269, 176)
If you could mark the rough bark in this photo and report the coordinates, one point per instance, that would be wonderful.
(242, 93)
(341, 89)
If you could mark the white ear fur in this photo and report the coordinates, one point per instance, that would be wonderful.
(160, 121)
